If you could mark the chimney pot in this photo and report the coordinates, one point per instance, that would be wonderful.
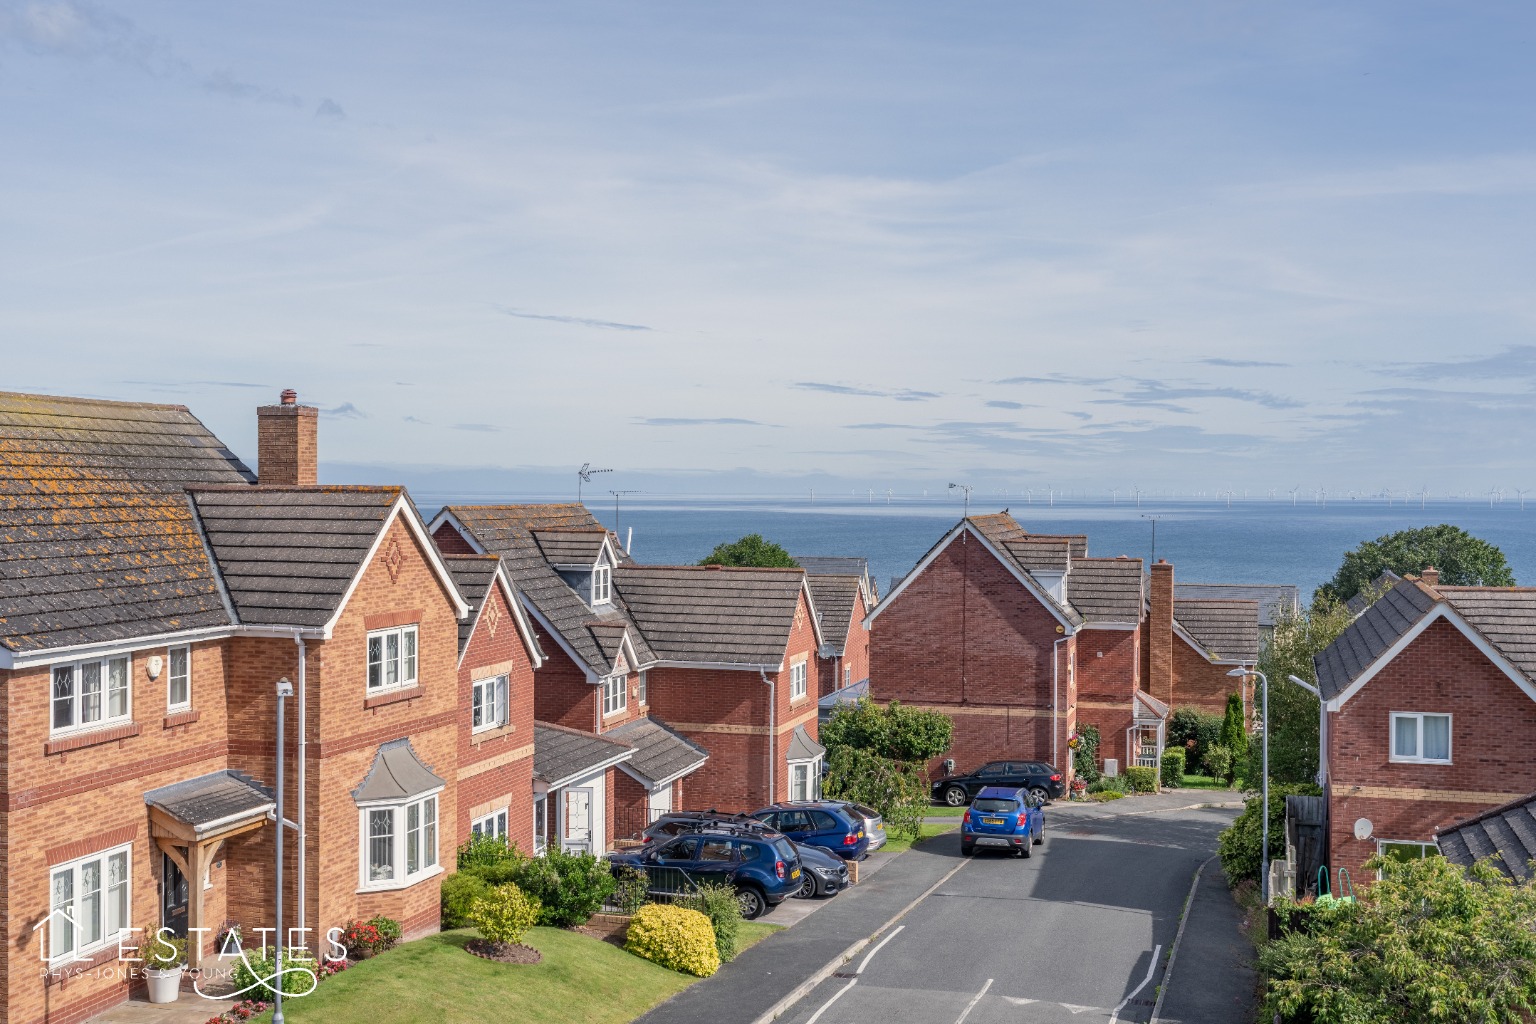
(289, 397)
(286, 442)
(1430, 575)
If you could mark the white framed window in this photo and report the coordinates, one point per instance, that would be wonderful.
(644, 696)
(602, 584)
(1404, 850)
(493, 825)
(615, 695)
(1419, 738)
(488, 705)
(178, 682)
(91, 694)
(797, 680)
(805, 780)
(399, 843)
(392, 658)
(540, 824)
(847, 676)
(88, 903)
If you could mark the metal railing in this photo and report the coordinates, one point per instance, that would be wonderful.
(663, 884)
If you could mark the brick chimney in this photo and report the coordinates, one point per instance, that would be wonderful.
(1160, 633)
(286, 448)
(1430, 575)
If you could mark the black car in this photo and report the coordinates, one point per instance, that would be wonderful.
(1043, 782)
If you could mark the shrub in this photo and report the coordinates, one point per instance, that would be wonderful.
(504, 915)
(485, 851)
(1218, 762)
(631, 888)
(1108, 784)
(674, 937)
(897, 789)
(1234, 731)
(1172, 768)
(166, 952)
(718, 903)
(389, 932)
(570, 887)
(460, 891)
(1141, 779)
(253, 972)
(362, 939)
(896, 732)
(1238, 846)
(1195, 731)
(1106, 795)
(1085, 759)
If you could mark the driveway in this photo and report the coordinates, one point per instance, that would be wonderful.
(1079, 932)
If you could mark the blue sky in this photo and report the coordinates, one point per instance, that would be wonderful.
(749, 246)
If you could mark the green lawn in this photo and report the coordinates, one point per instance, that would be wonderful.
(945, 811)
(896, 845)
(581, 981)
(1202, 782)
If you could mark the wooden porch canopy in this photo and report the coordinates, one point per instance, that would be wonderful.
(190, 820)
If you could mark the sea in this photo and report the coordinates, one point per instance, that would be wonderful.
(1208, 541)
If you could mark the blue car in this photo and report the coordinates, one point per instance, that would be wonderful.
(762, 866)
(829, 824)
(1003, 819)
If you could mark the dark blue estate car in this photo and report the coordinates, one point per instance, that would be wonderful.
(1003, 819)
(829, 824)
(761, 866)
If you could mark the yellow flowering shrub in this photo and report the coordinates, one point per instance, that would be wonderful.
(674, 937)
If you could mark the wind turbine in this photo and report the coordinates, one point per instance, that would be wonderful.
(584, 476)
(1521, 492)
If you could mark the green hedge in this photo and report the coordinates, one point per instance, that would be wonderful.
(1173, 768)
(1141, 779)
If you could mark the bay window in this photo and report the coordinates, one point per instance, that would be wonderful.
(392, 658)
(89, 694)
(88, 904)
(399, 843)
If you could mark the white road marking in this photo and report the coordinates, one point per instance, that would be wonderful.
(835, 997)
(865, 962)
(1151, 970)
(970, 1005)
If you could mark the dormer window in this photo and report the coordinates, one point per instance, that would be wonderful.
(602, 584)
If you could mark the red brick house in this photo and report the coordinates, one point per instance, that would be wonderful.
(595, 677)
(1021, 637)
(1428, 704)
(844, 594)
(151, 595)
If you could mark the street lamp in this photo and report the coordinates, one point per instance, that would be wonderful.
(1264, 799)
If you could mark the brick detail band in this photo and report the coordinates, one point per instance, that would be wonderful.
(469, 771)
(182, 718)
(101, 841)
(726, 729)
(1447, 796)
(501, 668)
(374, 737)
(91, 739)
(394, 697)
(117, 773)
(388, 620)
(996, 709)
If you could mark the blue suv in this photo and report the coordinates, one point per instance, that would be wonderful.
(1003, 819)
(829, 824)
(761, 866)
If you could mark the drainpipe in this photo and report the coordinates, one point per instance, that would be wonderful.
(303, 755)
(1056, 702)
(773, 738)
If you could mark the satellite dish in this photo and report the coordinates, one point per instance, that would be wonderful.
(1364, 829)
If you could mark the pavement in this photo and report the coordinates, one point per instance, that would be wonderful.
(1212, 979)
(1078, 932)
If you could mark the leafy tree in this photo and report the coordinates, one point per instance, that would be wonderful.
(1293, 712)
(1428, 943)
(1239, 844)
(1190, 724)
(1463, 560)
(895, 731)
(1234, 731)
(897, 789)
(751, 550)
(1085, 759)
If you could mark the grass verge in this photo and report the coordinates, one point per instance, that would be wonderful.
(930, 829)
(1203, 782)
(944, 811)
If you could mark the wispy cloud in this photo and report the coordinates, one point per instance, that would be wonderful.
(1518, 362)
(998, 403)
(687, 421)
(1239, 363)
(883, 426)
(1155, 394)
(482, 428)
(344, 411)
(1056, 378)
(900, 394)
(579, 321)
(197, 383)
(329, 108)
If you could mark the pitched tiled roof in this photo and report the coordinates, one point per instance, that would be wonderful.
(97, 541)
(1106, 589)
(1275, 599)
(1228, 630)
(833, 565)
(1378, 586)
(1506, 616)
(660, 753)
(288, 554)
(1368, 637)
(1507, 833)
(835, 597)
(1000, 529)
(561, 754)
(474, 575)
(571, 546)
(212, 798)
(1051, 554)
(508, 530)
(713, 614)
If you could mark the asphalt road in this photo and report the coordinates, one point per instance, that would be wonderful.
(1079, 932)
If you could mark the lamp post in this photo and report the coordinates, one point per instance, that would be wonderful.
(284, 691)
(1264, 799)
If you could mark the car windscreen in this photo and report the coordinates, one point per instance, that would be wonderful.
(865, 811)
(995, 805)
(786, 850)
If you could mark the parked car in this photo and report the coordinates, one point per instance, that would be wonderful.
(874, 824)
(823, 873)
(761, 866)
(829, 824)
(1043, 782)
(1003, 818)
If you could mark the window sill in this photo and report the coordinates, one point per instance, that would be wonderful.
(76, 741)
(392, 697)
(183, 717)
(797, 701)
(495, 732)
(59, 970)
(431, 872)
(1417, 760)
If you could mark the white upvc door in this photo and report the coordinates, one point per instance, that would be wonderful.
(659, 802)
(577, 837)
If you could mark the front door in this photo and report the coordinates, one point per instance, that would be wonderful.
(173, 897)
(578, 821)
